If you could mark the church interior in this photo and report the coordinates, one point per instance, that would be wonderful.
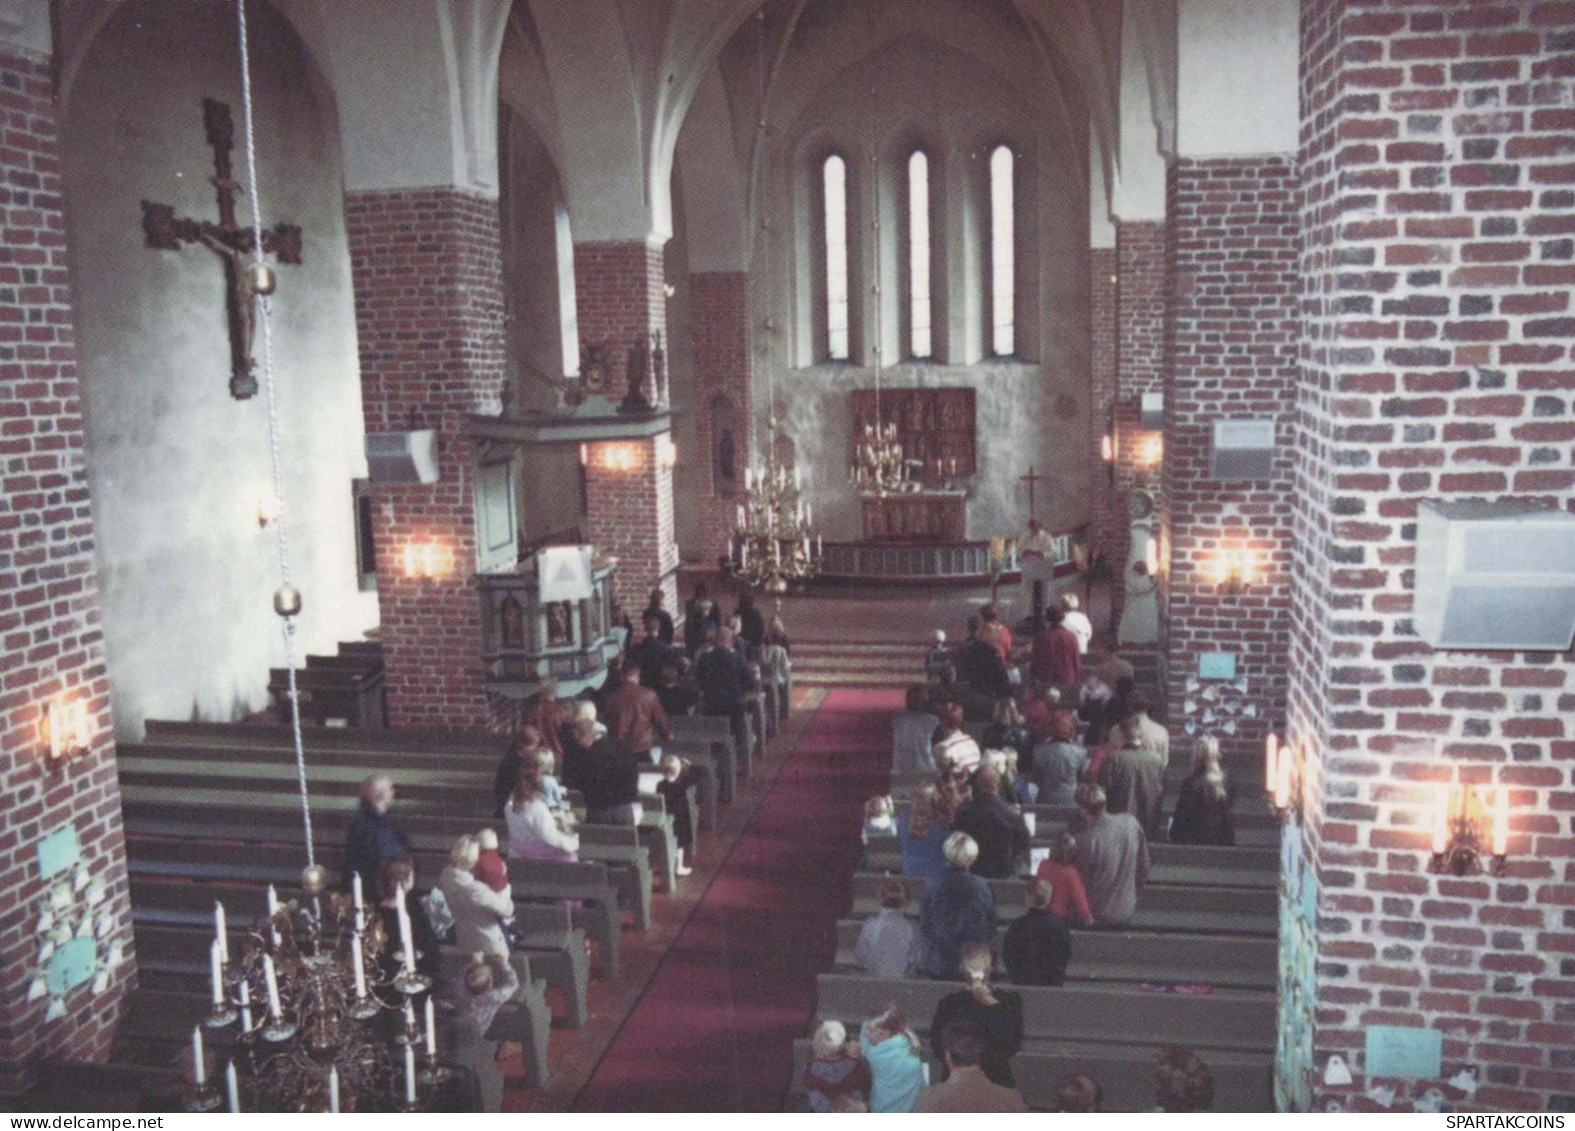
(369, 368)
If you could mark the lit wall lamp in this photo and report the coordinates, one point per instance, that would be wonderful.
(1152, 451)
(1234, 570)
(1282, 776)
(64, 729)
(427, 560)
(611, 457)
(1151, 556)
(1466, 830)
(666, 452)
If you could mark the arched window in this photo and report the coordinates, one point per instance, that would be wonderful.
(835, 199)
(1003, 254)
(920, 342)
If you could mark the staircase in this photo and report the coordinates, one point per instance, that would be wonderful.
(825, 663)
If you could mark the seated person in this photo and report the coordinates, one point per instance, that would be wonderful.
(1182, 1082)
(837, 1070)
(968, 1087)
(999, 1015)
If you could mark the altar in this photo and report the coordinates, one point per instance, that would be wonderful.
(934, 515)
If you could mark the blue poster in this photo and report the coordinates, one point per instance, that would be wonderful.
(1217, 665)
(1405, 1054)
(58, 851)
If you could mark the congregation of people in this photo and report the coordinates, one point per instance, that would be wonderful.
(1001, 726)
(571, 763)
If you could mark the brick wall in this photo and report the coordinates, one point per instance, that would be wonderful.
(1140, 356)
(1438, 262)
(428, 291)
(619, 289)
(49, 608)
(1102, 336)
(719, 321)
(1233, 251)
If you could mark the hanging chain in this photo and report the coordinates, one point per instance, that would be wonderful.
(281, 523)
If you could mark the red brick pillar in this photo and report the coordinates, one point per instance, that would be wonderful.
(1102, 335)
(620, 290)
(428, 291)
(719, 302)
(1438, 265)
(1140, 334)
(1232, 234)
(49, 608)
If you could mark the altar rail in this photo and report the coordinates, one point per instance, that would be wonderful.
(908, 565)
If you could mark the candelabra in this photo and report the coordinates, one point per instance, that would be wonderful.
(774, 543)
(878, 464)
(324, 1004)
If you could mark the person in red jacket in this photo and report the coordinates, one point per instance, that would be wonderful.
(1056, 660)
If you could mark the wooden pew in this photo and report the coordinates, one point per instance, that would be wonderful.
(587, 882)
(1112, 1035)
(1168, 863)
(1161, 907)
(1245, 962)
(718, 734)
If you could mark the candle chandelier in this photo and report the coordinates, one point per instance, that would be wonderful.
(774, 543)
(878, 464)
(322, 1024)
(324, 1021)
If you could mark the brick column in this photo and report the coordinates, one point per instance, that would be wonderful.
(1108, 523)
(1234, 254)
(620, 292)
(1438, 264)
(49, 608)
(1140, 334)
(720, 320)
(428, 291)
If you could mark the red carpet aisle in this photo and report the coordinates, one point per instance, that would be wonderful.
(715, 1029)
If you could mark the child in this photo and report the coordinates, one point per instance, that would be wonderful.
(878, 817)
(551, 791)
(1070, 900)
(836, 1070)
(937, 660)
(892, 1053)
(677, 792)
(490, 868)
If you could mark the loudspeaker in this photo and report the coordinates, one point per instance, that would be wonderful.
(1495, 575)
(1152, 407)
(1243, 449)
(402, 457)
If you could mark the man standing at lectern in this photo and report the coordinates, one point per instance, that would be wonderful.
(1034, 553)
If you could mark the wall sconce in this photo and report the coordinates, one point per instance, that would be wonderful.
(1466, 830)
(267, 509)
(1107, 448)
(1151, 452)
(1234, 570)
(429, 560)
(666, 452)
(1282, 778)
(611, 457)
(64, 729)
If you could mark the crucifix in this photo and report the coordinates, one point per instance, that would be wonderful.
(245, 276)
(1031, 479)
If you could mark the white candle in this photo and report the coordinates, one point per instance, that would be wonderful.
(273, 909)
(355, 890)
(431, 1030)
(232, 1088)
(358, 960)
(333, 1091)
(216, 969)
(410, 1075)
(246, 1007)
(221, 929)
(410, 1017)
(404, 936)
(273, 987)
(199, 1071)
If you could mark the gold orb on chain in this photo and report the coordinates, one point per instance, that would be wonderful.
(314, 879)
(287, 601)
(263, 279)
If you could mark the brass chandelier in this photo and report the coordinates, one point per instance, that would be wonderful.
(322, 1024)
